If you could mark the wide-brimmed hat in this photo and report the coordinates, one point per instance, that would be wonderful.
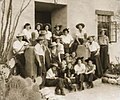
(66, 29)
(81, 58)
(41, 25)
(40, 38)
(54, 64)
(20, 35)
(53, 44)
(47, 24)
(57, 25)
(83, 25)
(87, 60)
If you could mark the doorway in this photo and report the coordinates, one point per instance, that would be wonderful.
(49, 13)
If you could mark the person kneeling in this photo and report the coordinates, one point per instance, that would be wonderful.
(52, 79)
(90, 70)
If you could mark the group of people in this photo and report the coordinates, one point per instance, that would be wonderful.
(56, 59)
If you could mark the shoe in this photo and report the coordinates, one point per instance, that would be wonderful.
(57, 91)
(62, 92)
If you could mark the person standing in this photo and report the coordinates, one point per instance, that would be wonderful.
(94, 49)
(19, 47)
(40, 57)
(38, 28)
(104, 42)
(67, 40)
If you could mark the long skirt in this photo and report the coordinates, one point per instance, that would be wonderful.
(104, 57)
(20, 65)
(96, 60)
(30, 66)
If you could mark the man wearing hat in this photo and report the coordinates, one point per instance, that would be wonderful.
(67, 40)
(19, 46)
(90, 71)
(80, 35)
(40, 57)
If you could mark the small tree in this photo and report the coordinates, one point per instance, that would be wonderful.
(8, 25)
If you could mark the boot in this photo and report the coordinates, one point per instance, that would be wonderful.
(57, 91)
(62, 92)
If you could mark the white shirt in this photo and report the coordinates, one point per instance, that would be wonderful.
(48, 35)
(60, 48)
(19, 46)
(80, 35)
(39, 49)
(50, 74)
(94, 46)
(27, 33)
(67, 38)
(80, 69)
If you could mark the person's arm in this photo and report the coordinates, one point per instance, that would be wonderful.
(98, 48)
(38, 59)
(77, 39)
(92, 71)
(71, 42)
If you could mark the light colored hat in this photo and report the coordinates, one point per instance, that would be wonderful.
(20, 35)
(53, 44)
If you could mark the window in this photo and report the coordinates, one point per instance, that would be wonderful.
(104, 21)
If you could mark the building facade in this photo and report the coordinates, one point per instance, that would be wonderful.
(95, 14)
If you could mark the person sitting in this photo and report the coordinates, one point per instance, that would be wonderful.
(57, 32)
(80, 73)
(67, 40)
(80, 36)
(90, 71)
(69, 77)
(52, 79)
(73, 57)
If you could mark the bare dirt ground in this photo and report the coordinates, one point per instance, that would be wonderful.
(99, 92)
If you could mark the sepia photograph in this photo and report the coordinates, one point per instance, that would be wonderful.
(59, 49)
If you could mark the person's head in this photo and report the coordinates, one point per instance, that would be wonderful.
(90, 39)
(54, 66)
(73, 54)
(58, 27)
(58, 40)
(47, 27)
(40, 40)
(69, 66)
(20, 37)
(65, 31)
(80, 26)
(27, 26)
(79, 60)
(89, 61)
(38, 26)
(103, 32)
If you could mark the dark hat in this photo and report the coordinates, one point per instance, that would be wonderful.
(66, 29)
(41, 25)
(47, 24)
(81, 58)
(40, 38)
(87, 60)
(57, 25)
(83, 25)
